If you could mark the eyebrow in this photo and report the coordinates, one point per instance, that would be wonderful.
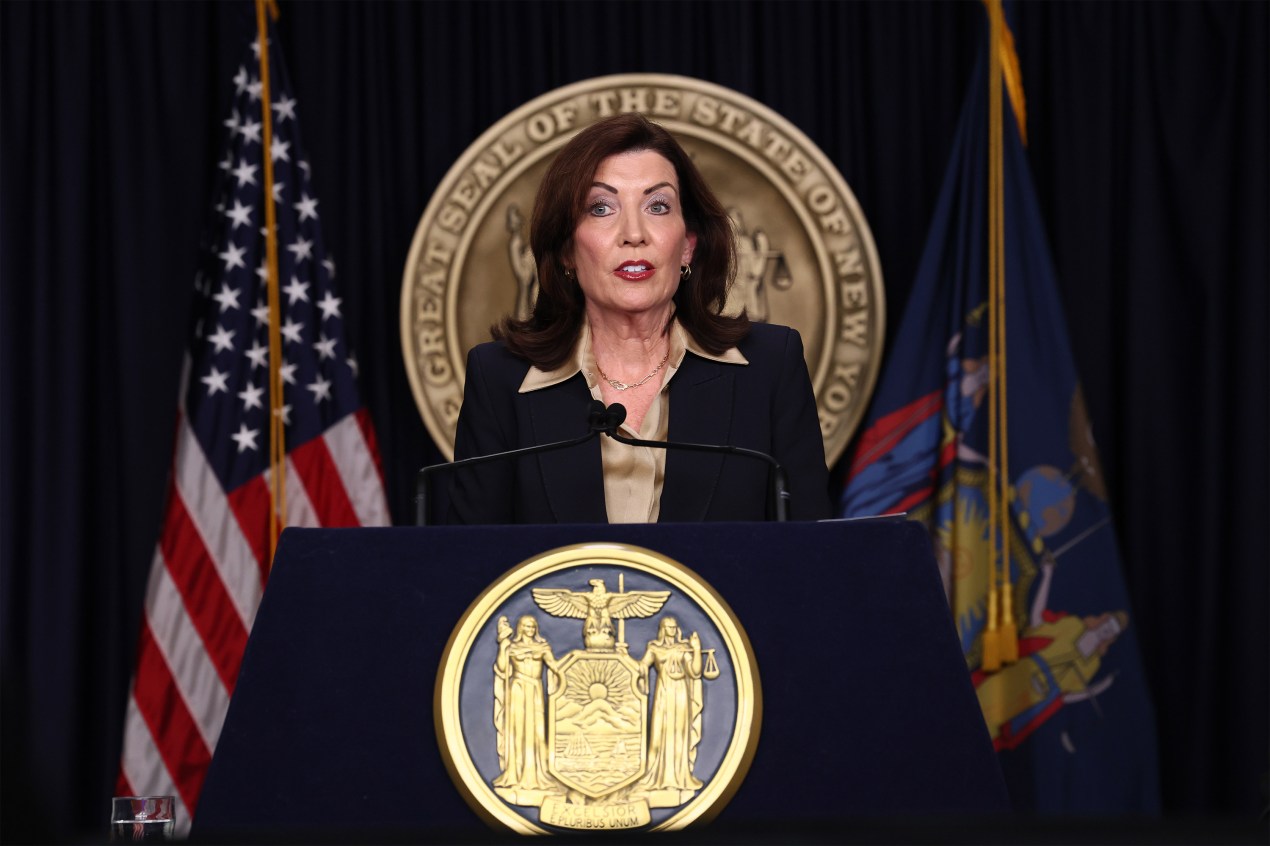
(647, 191)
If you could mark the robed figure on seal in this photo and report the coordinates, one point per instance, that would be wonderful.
(520, 706)
(677, 704)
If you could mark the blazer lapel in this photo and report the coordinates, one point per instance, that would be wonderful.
(573, 477)
(700, 413)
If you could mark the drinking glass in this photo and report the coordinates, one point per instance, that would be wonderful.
(142, 819)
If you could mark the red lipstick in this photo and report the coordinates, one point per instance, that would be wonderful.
(635, 270)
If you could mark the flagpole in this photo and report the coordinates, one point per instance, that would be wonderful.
(207, 584)
(277, 424)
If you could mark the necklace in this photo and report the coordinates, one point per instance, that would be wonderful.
(622, 386)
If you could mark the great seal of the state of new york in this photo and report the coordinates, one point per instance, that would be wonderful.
(805, 254)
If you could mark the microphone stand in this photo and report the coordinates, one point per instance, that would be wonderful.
(603, 420)
(616, 413)
(598, 421)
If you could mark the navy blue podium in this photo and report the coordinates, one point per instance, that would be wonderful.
(868, 710)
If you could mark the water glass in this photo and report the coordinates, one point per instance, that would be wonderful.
(142, 819)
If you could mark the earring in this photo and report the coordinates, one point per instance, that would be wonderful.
(685, 272)
(568, 273)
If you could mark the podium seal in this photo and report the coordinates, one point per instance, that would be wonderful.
(598, 687)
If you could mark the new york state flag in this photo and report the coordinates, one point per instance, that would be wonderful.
(1071, 717)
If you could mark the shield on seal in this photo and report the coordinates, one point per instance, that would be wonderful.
(595, 723)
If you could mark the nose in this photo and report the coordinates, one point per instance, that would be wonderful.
(631, 228)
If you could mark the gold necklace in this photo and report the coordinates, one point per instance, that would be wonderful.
(622, 386)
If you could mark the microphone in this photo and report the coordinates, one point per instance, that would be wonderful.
(598, 420)
(615, 415)
(603, 420)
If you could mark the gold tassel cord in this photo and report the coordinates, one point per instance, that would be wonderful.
(1009, 67)
(277, 424)
(1009, 630)
(1001, 639)
(991, 660)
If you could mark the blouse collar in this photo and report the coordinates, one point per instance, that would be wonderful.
(583, 360)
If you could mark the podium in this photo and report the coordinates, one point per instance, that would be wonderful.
(868, 710)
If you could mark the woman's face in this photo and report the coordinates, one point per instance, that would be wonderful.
(631, 240)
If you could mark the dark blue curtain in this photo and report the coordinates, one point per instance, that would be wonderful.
(1148, 142)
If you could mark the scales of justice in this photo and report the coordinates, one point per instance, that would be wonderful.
(607, 737)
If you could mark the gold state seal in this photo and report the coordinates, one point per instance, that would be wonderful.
(598, 687)
(806, 256)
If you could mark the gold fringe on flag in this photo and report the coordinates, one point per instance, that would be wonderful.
(277, 424)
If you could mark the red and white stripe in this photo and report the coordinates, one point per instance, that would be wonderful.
(206, 581)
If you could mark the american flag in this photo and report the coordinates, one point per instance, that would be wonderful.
(212, 557)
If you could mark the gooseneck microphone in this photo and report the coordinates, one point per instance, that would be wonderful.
(602, 420)
(615, 414)
(598, 420)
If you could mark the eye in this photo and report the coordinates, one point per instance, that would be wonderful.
(659, 207)
(599, 208)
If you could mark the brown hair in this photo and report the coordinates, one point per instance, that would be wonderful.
(547, 336)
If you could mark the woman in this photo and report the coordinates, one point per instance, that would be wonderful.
(520, 706)
(634, 257)
(676, 722)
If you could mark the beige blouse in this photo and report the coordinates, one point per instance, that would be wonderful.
(633, 476)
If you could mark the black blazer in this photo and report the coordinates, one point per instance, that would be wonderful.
(767, 405)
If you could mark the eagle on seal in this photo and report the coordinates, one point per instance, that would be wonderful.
(599, 607)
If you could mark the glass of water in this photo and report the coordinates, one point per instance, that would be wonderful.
(142, 819)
